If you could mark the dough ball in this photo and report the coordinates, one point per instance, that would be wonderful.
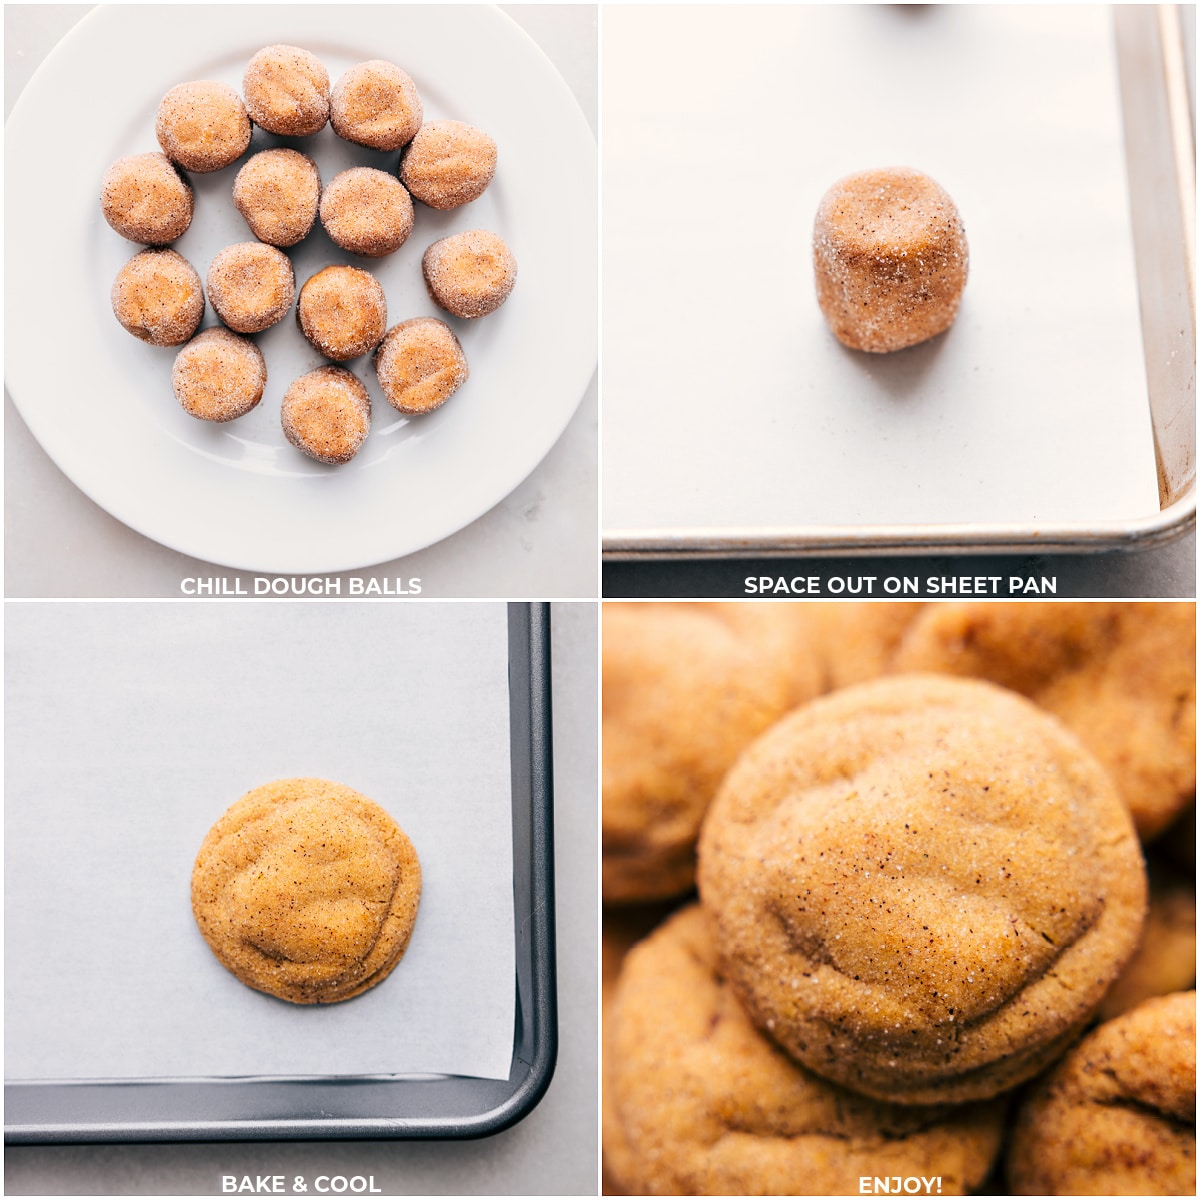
(327, 415)
(287, 91)
(376, 104)
(343, 312)
(449, 163)
(470, 274)
(146, 199)
(251, 286)
(277, 192)
(219, 376)
(158, 297)
(202, 126)
(367, 212)
(890, 255)
(420, 365)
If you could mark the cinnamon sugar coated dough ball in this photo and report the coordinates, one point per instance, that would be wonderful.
(890, 255)
(158, 297)
(202, 126)
(698, 1102)
(343, 312)
(251, 286)
(367, 212)
(327, 414)
(922, 887)
(1117, 1117)
(219, 376)
(146, 199)
(448, 163)
(420, 365)
(277, 192)
(307, 890)
(686, 688)
(287, 91)
(470, 274)
(376, 104)
(1121, 676)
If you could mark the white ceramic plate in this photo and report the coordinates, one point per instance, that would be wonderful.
(100, 402)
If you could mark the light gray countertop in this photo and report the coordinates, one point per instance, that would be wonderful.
(539, 541)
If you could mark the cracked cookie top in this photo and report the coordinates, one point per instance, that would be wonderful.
(307, 890)
(921, 887)
(1117, 1117)
(698, 1102)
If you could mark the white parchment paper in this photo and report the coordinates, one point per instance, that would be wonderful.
(131, 727)
(728, 403)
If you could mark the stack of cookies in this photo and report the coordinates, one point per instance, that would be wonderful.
(920, 947)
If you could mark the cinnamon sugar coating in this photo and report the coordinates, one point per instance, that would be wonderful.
(343, 312)
(698, 1102)
(146, 199)
(202, 125)
(890, 255)
(420, 365)
(287, 91)
(448, 163)
(470, 274)
(251, 286)
(158, 297)
(277, 192)
(367, 211)
(1117, 1117)
(376, 104)
(307, 890)
(327, 414)
(922, 887)
(219, 376)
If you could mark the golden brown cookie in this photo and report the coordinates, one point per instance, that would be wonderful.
(686, 687)
(307, 891)
(890, 256)
(1117, 1117)
(1165, 961)
(1122, 676)
(698, 1102)
(856, 640)
(922, 887)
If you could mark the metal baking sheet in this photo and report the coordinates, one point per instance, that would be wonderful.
(1059, 411)
(361, 1104)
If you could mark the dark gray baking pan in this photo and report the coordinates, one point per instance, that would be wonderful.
(382, 1106)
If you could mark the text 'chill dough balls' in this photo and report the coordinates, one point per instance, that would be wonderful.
(890, 255)
(307, 890)
(922, 887)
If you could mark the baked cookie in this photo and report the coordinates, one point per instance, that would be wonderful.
(1122, 676)
(307, 891)
(856, 640)
(686, 688)
(1117, 1117)
(890, 256)
(1165, 961)
(698, 1102)
(922, 887)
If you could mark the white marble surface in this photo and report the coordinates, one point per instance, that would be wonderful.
(539, 541)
